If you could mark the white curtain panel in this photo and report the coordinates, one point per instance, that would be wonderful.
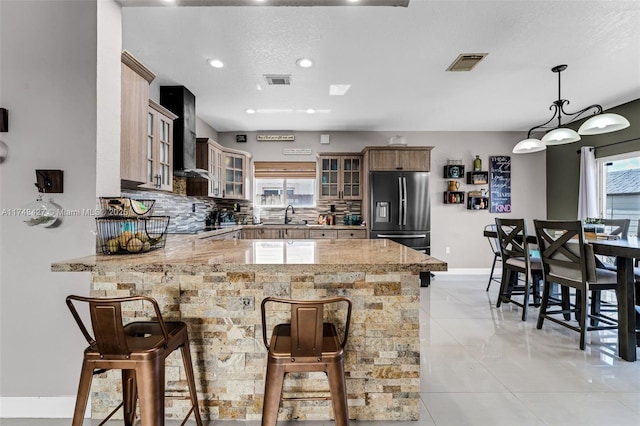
(588, 195)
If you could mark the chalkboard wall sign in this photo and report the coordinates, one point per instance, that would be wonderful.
(500, 184)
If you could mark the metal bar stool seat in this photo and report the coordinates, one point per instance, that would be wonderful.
(307, 344)
(139, 349)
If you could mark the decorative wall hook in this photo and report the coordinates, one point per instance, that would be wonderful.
(49, 181)
(4, 120)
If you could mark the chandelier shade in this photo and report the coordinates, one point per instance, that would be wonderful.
(603, 123)
(560, 136)
(528, 146)
(599, 123)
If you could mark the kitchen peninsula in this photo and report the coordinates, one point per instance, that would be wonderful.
(216, 286)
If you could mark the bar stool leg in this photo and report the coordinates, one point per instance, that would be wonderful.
(129, 396)
(84, 387)
(188, 367)
(273, 383)
(150, 377)
(335, 374)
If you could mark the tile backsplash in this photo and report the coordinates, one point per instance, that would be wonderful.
(188, 213)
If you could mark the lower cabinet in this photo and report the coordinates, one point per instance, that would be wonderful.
(298, 233)
(231, 235)
(345, 234)
(269, 233)
(318, 234)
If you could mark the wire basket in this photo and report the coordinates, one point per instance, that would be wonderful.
(124, 206)
(119, 235)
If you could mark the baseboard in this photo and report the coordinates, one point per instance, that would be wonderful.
(465, 274)
(54, 407)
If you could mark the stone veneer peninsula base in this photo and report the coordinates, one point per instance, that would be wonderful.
(217, 287)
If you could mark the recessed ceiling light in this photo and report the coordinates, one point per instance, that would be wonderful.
(250, 111)
(310, 111)
(304, 62)
(338, 89)
(216, 63)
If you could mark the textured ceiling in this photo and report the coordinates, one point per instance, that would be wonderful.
(395, 59)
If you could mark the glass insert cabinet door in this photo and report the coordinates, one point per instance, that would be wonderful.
(340, 177)
(329, 177)
(234, 176)
(164, 166)
(351, 178)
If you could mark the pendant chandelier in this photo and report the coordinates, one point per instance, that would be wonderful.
(598, 124)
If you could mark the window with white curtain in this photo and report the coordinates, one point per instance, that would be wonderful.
(619, 188)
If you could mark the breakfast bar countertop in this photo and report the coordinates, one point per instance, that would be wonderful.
(217, 286)
(192, 254)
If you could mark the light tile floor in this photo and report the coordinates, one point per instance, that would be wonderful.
(483, 366)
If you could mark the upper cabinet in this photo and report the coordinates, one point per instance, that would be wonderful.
(134, 112)
(235, 174)
(340, 176)
(210, 158)
(407, 158)
(146, 130)
(159, 147)
(228, 171)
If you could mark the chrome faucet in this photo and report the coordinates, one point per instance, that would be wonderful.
(286, 218)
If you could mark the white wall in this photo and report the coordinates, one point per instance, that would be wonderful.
(452, 226)
(48, 84)
(108, 71)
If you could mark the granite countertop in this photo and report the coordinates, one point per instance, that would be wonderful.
(302, 226)
(197, 253)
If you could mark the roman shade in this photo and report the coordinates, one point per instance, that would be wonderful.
(284, 169)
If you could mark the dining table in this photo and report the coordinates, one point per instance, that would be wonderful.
(625, 250)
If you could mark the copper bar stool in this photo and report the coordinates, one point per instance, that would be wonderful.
(306, 344)
(139, 349)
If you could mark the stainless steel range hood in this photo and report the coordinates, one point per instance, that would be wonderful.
(180, 101)
(192, 173)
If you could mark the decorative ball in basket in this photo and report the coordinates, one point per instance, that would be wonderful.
(126, 235)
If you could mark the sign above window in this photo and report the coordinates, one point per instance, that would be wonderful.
(275, 138)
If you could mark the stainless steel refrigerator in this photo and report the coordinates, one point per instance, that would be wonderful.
(400, 210)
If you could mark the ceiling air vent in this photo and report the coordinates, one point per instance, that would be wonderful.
(278, 80)
(466, 61)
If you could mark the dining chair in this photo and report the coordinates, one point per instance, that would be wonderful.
(139, 349)
(305, 344)
(516, 259)
(570, 262)
(497, 255)
(619, 228)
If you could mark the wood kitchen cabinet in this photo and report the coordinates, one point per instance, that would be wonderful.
(209, 156)
(228, 171)
(386, 158)
(235, 175)
(159, 147)
(275, 233)
(340, 176)
(349, 234)
(135, 80)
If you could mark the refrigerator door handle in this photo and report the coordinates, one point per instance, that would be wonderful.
(401, 236)
(404, 200)
(400, 201)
